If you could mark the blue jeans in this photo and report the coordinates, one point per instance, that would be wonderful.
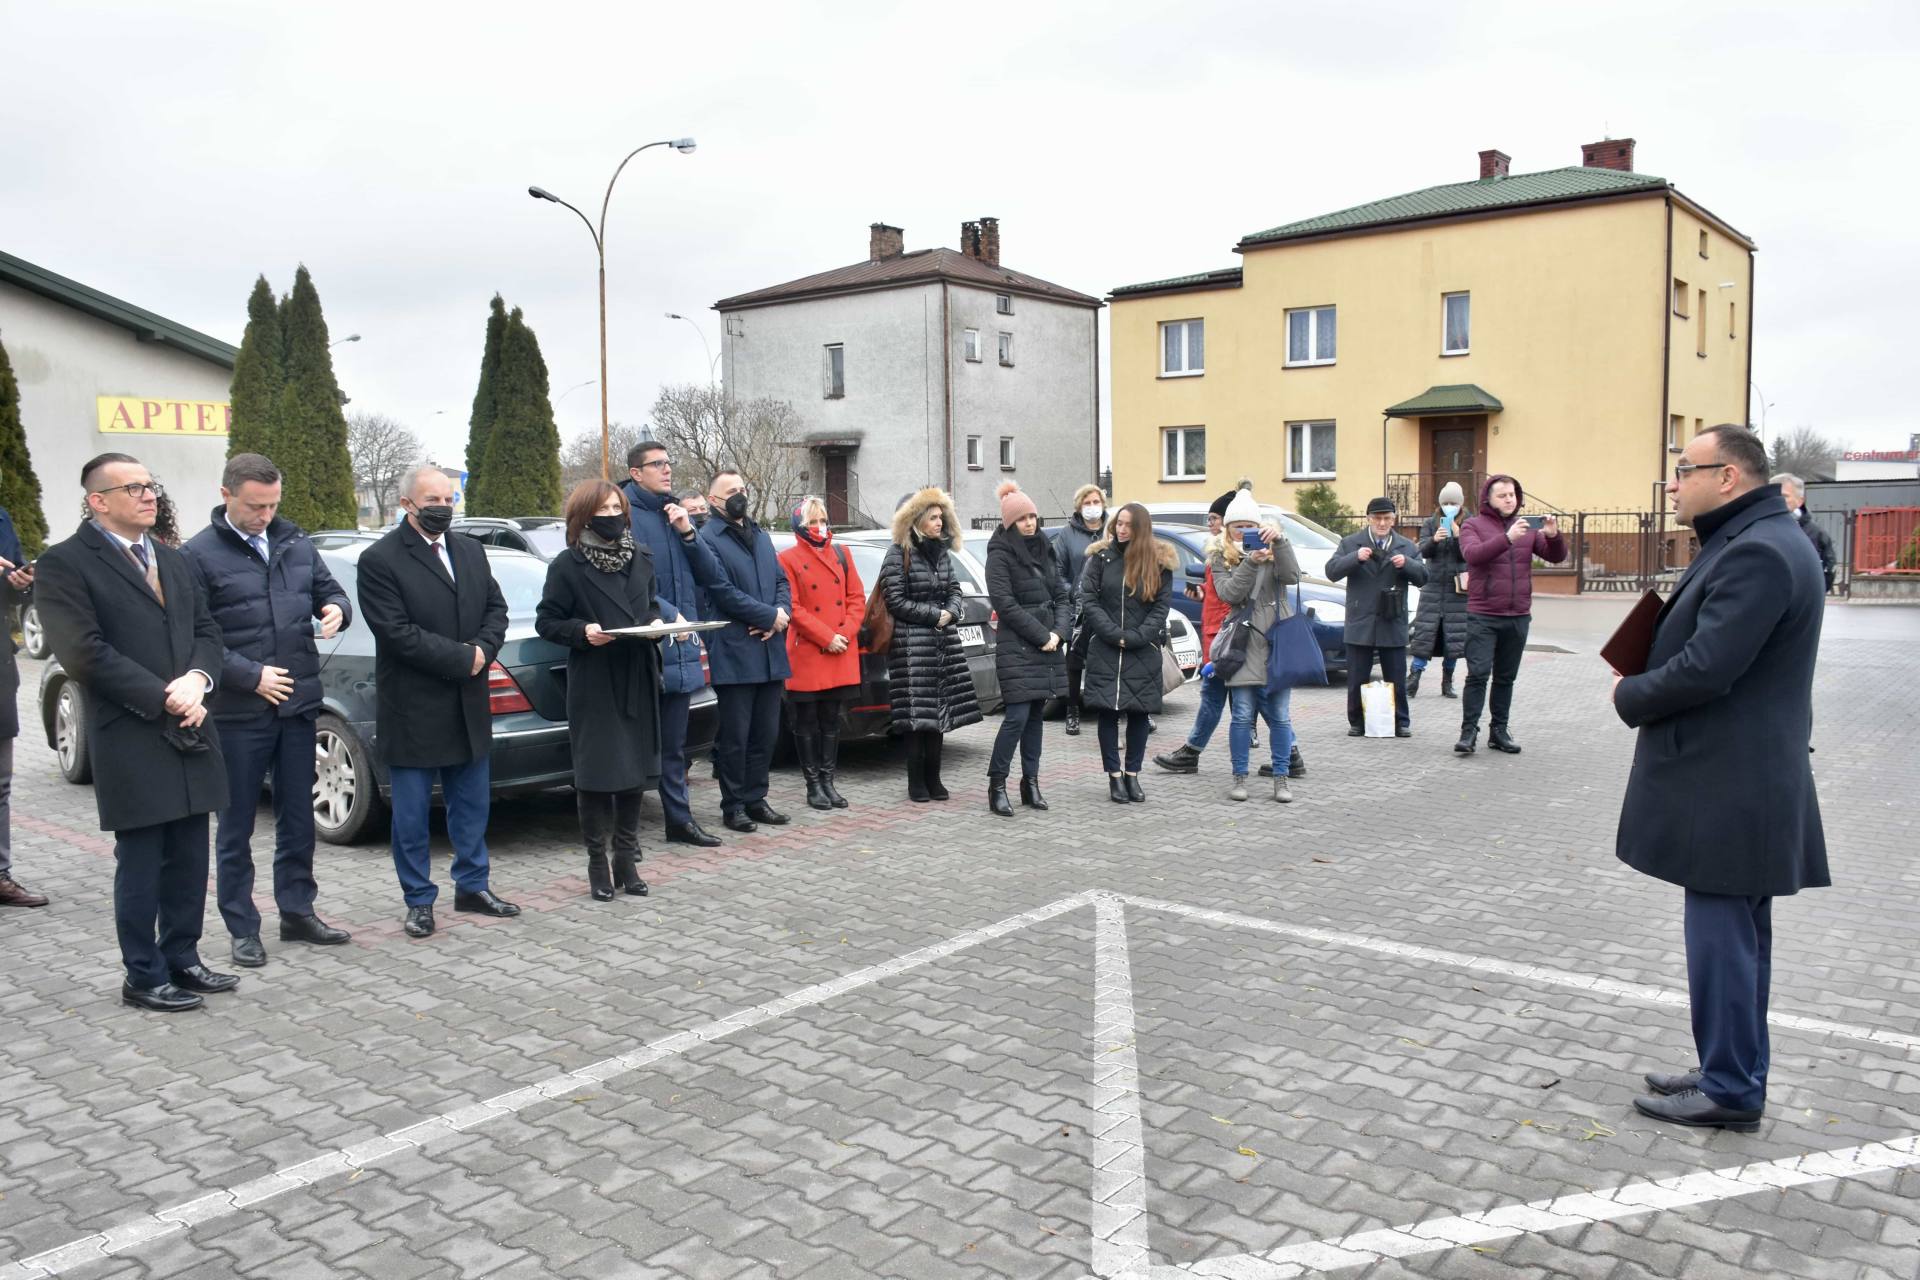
(1420, 664)
(1272, 705)
(468, 791)
(1213, 701)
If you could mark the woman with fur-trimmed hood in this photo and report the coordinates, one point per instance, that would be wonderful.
(1125, 591)
(932, 689)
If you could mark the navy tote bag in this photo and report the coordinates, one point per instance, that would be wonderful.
(1293, 657)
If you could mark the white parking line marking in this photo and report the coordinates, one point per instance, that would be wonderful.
(1509, 1221)
(1539, 973)
(1120, 1222)
(219, 1204)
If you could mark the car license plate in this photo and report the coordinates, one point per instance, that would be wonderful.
(971, 638)
(1186, 650)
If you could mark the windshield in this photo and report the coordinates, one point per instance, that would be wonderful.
(521, 579)
(1303, 532)
(548, 539)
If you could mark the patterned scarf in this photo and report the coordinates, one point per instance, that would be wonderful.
(607, 557)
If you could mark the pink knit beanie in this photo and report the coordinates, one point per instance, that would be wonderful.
(1013, 503)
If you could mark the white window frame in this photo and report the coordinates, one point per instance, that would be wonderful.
(973, 454)
(831, 349)
(1676, 427)
(1446, 299)
(970, 345)
(1312, 427)
(1682, 295)
(1006, 453)
(1181, 434)
(1313, 336)
(1006, 349)
(1186, 347)
(1003, 304)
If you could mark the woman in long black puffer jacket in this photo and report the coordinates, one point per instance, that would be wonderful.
(1026, 589)
(932, 690)
(1124, 595)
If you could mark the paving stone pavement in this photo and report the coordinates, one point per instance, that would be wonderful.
(877, 1043)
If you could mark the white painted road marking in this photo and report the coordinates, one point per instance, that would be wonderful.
(1120, 1224)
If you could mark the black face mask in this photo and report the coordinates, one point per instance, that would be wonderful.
(699, 519)
(608, 527)
(435, 520)
(737, 506)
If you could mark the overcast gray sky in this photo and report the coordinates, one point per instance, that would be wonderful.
(169, 152)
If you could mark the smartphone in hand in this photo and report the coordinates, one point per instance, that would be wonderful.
(1252, 541)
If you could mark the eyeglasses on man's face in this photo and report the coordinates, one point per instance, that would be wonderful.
(662, 464)
(137, 490)
(1681, 470)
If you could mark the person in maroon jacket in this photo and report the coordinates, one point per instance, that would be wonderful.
(1499, 545)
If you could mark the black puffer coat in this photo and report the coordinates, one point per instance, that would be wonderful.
(1123, 651)
(1024, 586)
(1438, 599)
(932, 690)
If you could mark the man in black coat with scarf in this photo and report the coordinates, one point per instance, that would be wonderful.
(438, 619)
(1721, 799)
(130, 627)
(1378, 563)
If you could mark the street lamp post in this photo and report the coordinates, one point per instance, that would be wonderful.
(352, 337)
(712, 359)
(685, 147)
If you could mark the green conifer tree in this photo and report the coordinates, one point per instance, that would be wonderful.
(311, 432)
(258, 375)
(485, 401)
(523, 450)
(19, 486)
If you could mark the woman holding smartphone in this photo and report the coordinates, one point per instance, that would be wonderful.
(1254, 564)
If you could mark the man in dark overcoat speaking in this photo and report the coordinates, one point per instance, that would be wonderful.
(129, 625)
(1721, 799)
(438, 619)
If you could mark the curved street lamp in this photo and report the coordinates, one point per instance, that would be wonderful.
(352, 337)
(711, 358)
(684, 146)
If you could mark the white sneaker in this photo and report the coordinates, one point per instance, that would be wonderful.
(1239, 791)
(1281, 791)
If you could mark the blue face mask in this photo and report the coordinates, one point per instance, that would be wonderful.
(1450, 510)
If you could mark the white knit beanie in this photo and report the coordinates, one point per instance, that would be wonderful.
(1243, 509)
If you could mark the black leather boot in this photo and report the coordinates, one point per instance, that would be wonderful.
(1413, 681)
(830, 765)
(917, 769)
(599, 876)
(935, 791)
(1499, 740)
(997, 795)
(1446, 685)
(806, 745)
(1073, 719)
(1030, 792)
(626, 872)
(1469, 739)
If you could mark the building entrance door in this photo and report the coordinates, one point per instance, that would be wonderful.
(1456, 452)
(835, 466)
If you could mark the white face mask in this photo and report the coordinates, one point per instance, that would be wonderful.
(1450, 509)
(1092, 512)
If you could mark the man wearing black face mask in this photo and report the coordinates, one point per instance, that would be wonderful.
(748, 660)
(438, 619)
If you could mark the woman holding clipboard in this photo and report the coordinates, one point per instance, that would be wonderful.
(603, 581)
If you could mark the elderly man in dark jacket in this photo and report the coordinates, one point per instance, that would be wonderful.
(438, 619)
(681, 563)
(1721, 800)
(1793, 491)
(1378, 563)
(1499, 545)
(266, 586)
(749, 659)
(130, 627)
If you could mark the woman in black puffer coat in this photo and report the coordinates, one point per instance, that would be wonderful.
(1440, 627)
(931, 686)
(1026, 589)
(1124, 595)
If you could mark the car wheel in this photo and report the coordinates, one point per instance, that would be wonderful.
(32, 634)
(70, 741)
(346, 795)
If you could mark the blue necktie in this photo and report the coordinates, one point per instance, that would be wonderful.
(259, 545)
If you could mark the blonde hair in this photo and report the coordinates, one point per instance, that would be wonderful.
(811, 509)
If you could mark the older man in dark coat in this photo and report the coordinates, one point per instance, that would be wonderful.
(1721, 798)
(438, 619)
(128, 624)
(1378, 563)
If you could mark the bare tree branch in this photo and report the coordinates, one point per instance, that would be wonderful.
(1805, 451)
(580, 456)
(707, 431)
(382, 451)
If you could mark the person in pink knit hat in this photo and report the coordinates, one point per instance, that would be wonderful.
(1028, 592)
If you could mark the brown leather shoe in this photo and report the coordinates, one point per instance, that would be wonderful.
(15, 894)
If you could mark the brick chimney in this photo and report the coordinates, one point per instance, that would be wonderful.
(970, 239)
(990, 241)
(884, 241)
(1609, 153)
(1494, 164)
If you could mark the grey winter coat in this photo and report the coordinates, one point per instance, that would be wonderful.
(1122, 671)
(1439, 601)
(1263, 584)
(1033, 603)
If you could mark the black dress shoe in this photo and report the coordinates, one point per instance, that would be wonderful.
(419, 921)
(1402, 733)
(1134, 792)
(1667, 1083)
(197, 977)
(311, 928)
(165, 998)
(738, 822)
(1696, 1110)
(1356, 731)
(694, 834)
(483, 902)
(761, 811)
(249, 952)
(1497, 739)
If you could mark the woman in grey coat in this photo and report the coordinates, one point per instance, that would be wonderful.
(1256, 578)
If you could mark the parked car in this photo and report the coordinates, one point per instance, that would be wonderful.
(526, 685)
(33, 636)
(543, 536)
(1313, 544)
(1325, 602)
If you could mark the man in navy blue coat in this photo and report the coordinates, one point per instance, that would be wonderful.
(681, 563)
(1721, 799)
(266, 586)
(748, 659)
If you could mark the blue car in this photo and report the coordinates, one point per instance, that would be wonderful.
(1325, 603)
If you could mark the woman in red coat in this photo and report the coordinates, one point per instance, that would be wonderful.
(823, 647)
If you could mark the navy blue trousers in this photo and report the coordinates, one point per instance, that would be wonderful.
(468, 791)
(253, 748)
(743, 747)
(674, 802)
(160, 897)
(1729, 969)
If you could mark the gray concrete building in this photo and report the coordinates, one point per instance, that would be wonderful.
(936, 366)
(99, 375)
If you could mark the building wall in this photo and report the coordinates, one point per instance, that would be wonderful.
(1710, 388)
(64, 359)
(1567, 328)
(895, 400)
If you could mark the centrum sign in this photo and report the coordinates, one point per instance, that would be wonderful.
(133, 415)
(1882, 455)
